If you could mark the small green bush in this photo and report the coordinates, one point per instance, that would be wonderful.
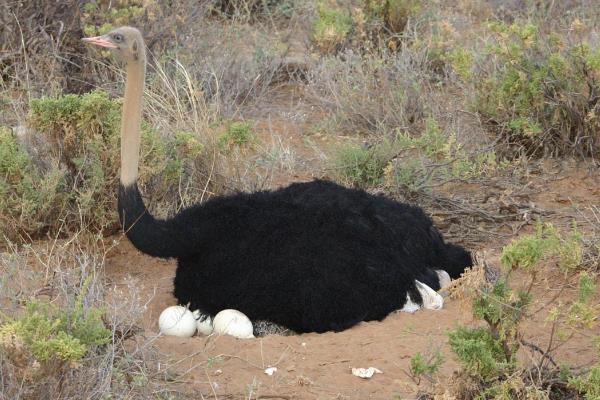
(14, 162)
(331, 26)
(83, 136)
(389, 16)
(422, 366)
(433, 158)
(588, 384)
(411, 162)
(361, 165)
(461, 61)
(29, 199)
(478, 351)
(46, 334)
(74, 181)
(538, 92)
(237, 134)
(502, 309)
(527, 251)
(370, 25)
(488, 354)
(190, 143)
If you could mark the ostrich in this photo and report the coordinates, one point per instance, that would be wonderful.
(311, 257)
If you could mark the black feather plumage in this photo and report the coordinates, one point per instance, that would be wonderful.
(312, 257)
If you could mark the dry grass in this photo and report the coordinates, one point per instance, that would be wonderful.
(373, 96)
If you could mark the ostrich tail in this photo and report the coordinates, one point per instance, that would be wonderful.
(157, 238)
(457, 260)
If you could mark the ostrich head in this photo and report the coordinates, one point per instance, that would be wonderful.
(125, 42)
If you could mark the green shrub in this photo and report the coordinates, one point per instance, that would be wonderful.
(527, 251)
(361, 165)
(190, 143)
(331, 26)
(14, 162)
(100, 19)
(478, 351)
(434, 158)
(29, 199)
(538, 92)
(46, 334)
(83, 135)
(488, 354)
(237, 134)
(422, 366)
(461, 61)
(411, 162)
(588, 384)
(443, 48)
(371, 25)
(75, 177)
(387, 17)
(502, 309)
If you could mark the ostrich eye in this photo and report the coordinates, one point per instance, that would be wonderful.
(117, 37)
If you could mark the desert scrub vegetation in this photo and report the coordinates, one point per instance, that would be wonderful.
(331, 26)
(532, 85)
(67, 156)
(252, 10)
(413, 162)
(535, 89)
(63, 332)
(589, 383)
(371, 96)
(63, 174)
(488, 354)
(27, 197)
(425, 366)
(381, 23)
(366, 25)
(45, 337)
(236, 134)
(101, 18)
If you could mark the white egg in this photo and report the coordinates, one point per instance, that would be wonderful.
(203, 322)
(177, 321)
(234, 323)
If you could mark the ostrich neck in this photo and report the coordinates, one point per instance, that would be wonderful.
(130, 123)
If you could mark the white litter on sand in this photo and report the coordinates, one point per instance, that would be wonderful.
(365, 373)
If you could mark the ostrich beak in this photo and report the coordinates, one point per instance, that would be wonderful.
(101, 41)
